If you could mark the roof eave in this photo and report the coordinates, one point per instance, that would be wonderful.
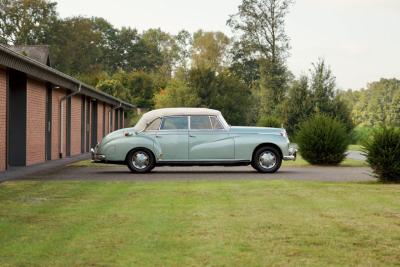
(40, 71)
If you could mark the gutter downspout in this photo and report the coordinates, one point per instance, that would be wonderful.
(61, 137)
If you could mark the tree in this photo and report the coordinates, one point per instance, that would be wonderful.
(112, 87)
(26, 22)
(222, 91)
(378, 104)
(75, 46)
(166, 48)
(141, 89)
(184, 42)
(242, 65)
(176, 94)
(201, 81)
(209, 50)
(261, 28)
(298, 105)
(316, 94)
(232, 97)
(323, 85)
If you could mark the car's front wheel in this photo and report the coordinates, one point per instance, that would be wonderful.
(140, 161)
(267, 160)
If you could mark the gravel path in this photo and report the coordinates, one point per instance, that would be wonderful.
(121, 173)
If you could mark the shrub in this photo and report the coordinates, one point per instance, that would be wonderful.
(322, 140)
(269, 121)
(383, 154)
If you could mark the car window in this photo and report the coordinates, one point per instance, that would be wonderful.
(216, 124)
(154, 126)
(174, 123)
(200, 123)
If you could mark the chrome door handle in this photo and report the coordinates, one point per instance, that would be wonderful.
(191, 135)
(158, 136)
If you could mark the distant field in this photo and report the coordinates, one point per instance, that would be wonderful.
(197, 223)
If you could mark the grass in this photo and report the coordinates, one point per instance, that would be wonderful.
(197, 223)
(300, 162)
(355, 147)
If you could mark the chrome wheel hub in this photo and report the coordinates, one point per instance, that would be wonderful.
(140, 160)
(267, 160)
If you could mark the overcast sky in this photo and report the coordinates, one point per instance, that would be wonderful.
(360, 39)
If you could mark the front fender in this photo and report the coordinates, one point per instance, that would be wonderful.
(118, 149)
(245, 144)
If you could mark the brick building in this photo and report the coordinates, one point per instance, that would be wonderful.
(46, 114)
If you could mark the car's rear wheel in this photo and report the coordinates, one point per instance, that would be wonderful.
(267, 160)
(140, 160)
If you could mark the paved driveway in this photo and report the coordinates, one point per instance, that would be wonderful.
(357, 155)
(122, 173)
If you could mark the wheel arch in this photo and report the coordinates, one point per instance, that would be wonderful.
(267, 145)
(139, 148)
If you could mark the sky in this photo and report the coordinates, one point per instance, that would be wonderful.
(359, 39)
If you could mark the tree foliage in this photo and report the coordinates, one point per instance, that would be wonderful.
(176, 94)
(260, 25)
(26, 22)
(209, 50)
(378, 104)
(316, 94)
(245, 76)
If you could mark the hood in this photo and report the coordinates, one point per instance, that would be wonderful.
(255, 130)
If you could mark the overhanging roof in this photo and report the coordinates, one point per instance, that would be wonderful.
(11, 59)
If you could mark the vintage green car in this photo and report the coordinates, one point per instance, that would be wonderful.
(193, 137)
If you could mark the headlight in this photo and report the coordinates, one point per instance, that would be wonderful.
(284, 134)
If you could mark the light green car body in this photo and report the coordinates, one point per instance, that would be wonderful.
(217, 146)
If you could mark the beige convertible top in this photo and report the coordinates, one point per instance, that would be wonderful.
(158, 113)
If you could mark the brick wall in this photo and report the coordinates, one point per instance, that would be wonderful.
(35, 122)
(3, 119)
(76, 107)
(57, 94)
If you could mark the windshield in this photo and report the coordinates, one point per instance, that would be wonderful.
(141, 124)
(226, 125)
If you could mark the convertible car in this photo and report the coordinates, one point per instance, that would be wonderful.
(193, 137)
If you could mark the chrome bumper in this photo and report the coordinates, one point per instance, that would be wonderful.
(95, 156)
(292, 154)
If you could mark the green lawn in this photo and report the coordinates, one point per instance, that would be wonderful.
(355, 147)
(197, 223)
(300, 162)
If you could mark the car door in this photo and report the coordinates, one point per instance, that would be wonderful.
(173, 138)
(209, 140)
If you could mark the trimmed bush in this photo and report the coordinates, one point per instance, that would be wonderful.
(322, 140)
(269, 121)
(383, 154)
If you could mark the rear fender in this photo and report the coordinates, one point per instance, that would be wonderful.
(118, 149)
